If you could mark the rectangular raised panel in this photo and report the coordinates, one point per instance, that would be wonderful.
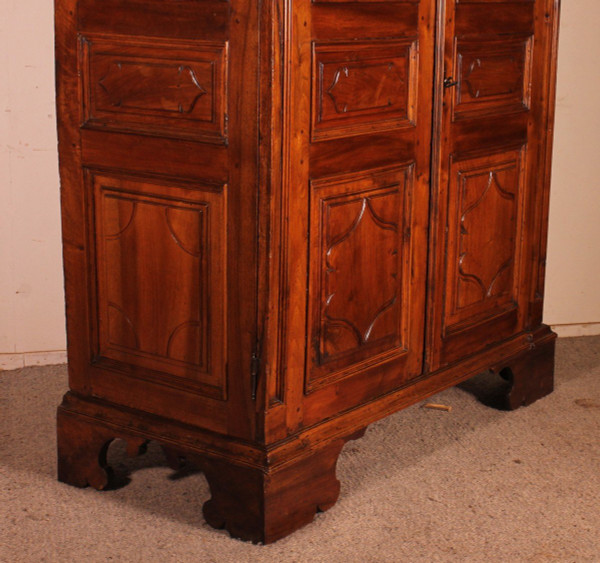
(493, 77)
(159, 260)
(363, 87)
(359, 256)
(485, 223)
(158, 87)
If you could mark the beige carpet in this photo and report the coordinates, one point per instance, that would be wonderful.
(475, 484)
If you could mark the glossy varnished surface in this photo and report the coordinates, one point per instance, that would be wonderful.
(492, 131)
(159, 201)
(367, 105)
(283, 221)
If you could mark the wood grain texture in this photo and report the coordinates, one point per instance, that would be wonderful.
(283, 221)
(484, 211)
(367, 248)
(493, 76)
(485, 118)
(159, 253)
(357, 315)
(363, 87)
(158, 87)
(266, 506)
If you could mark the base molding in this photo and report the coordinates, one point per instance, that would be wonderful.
(252, 501)
(264, 506)
(263, 492)
(531, 375)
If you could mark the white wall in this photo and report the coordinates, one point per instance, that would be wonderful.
(31, 285)
(31, 293)
(573, 270)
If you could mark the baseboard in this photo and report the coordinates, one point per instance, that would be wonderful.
(570, 330)
(25, 359)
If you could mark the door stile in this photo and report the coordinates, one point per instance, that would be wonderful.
(437, 175)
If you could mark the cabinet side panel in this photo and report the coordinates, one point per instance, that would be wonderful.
(157, 107)
(159, 254)
(73, 205)
(547, 102)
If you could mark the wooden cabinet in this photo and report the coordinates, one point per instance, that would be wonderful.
(285, 220)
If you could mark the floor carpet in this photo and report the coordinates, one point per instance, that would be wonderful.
(474, 484)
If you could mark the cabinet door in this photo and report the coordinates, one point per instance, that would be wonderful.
(159, 181)
(490, 173)
(358, 184)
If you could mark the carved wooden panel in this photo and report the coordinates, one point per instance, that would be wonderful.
(363, 87)
(159, 254)
(173, 89)
(485, 222)
(358, 270)
(493, 76)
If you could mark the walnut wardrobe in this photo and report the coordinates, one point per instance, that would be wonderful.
(286, 219)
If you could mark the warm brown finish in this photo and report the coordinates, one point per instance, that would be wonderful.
(283, 221)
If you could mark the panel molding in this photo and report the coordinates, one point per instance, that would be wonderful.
(363, 87)
(157, 248)
(368, 325)
(485, 221)
(155, 87)
(493, 76)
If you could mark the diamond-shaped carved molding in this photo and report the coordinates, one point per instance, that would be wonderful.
(493, 76)
(131, 85)
(363, 87)
(385, 77)
(346, 252)
(358, 269)
(502, 202)
(162, 88)
(484, 226)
